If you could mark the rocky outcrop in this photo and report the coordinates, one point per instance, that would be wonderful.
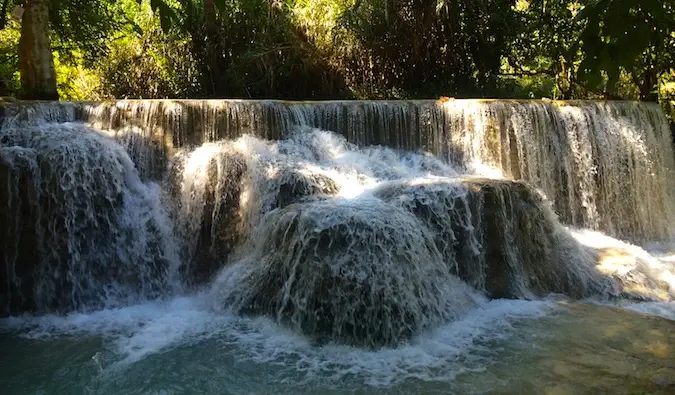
(79, 230)
(500, 236)
(358, 272)
(295, 186)
(374, 270)
(207, 212)
(18, 215)
(219, 195)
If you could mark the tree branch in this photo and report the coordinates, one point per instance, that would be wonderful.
(525, 73)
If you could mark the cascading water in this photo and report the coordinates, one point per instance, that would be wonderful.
(605, 166)
(165, 225)
(80, 230)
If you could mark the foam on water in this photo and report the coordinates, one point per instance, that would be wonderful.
(661, 309)
(631, 262)
(137, 332)
(354, 222)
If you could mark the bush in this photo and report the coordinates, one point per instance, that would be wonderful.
(9, 59)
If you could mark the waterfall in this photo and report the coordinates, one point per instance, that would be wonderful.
(362, 223)
(79, 229)
(605, 166)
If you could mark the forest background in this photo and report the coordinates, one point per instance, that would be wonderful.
(340, 49)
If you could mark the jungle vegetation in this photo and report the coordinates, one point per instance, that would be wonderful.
(319, 49)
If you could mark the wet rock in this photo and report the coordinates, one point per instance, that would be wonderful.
(353, 272)
(18, 216)
(638, 275)
(220, 192)
(78, 228)
(208, 213)
(294, 185)
(500, 236)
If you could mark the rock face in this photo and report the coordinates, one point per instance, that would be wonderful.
(79, 230)
(207, 199)
(18, 216)
(376, 269)
(219, 194)
(500, 236)
(358, 272)
(295, 186)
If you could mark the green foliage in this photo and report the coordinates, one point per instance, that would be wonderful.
(74, 80)
(421, 46)
(303, 49)
(9, 61)
(544, 45)
(83, 26)
(636, 36)
(144, 62)
(253, 49)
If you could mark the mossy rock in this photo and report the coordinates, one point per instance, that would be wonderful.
(500, 236)
(294, 186)
(352, 272)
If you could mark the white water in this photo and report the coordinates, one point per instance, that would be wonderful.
(137, 332)
(606, 166)
(457, 331)
(78, 221)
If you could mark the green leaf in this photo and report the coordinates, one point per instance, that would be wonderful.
(136, 28)
(166, 13)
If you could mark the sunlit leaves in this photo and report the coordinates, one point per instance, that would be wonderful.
(626, 34)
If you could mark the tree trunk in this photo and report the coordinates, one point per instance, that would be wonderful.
(212, 52)
(209, 14)
(36, 64)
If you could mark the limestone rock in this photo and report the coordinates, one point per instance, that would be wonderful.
(77, 226)
(295, 185)
(18, 216)
(355, 272)
(500, 236)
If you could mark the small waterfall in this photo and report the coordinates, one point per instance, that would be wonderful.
(79, 229)
(405, 217)
(605, 166)
(374, 243)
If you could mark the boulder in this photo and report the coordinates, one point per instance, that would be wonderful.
(355, 272)
(79, 230)
(294, 185)
(223, 195)
(500, 236)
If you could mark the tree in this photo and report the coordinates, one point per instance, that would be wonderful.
(65, 26)
(543, 45)
(635, 36)
(36, 63)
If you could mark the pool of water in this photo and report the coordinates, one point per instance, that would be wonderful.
(503, 347)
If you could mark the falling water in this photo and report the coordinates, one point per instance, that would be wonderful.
(312, 220)
(181, 220)
(606, 166)
(79, 229)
